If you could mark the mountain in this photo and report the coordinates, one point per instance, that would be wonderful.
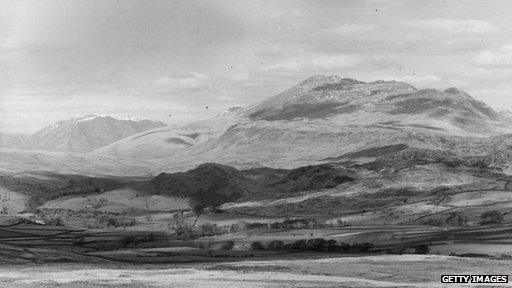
(322, 97)
(322, 117)
(328, 152)
(327, 116)
(86, 133)
(163, 142)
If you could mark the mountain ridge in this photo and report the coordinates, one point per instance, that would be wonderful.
(366, 115)
(83, 134)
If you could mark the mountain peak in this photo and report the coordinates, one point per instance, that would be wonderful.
(93, 116)
(323, 96)
(452, 90)
(234, 110)
(317, 81)
(86, 133)
(321, 78)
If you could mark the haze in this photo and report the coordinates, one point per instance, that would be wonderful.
(64, 59)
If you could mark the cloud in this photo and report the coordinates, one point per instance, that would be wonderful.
(430, 36)
(9, 44)
(241, 77)
(317, 62)
(452, 27)
(348, 29)
(497, 58)
(189, 82)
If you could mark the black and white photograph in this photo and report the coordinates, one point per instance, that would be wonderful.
(255, 143)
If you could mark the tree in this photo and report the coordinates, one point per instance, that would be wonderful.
(257, 245)
(331, 245)
(491, 217)
(275, 245)
(317, 244)
(299, 245)
(178, 221)
(227, 245)
(421, 249)
(4, 203)
(198, 210)
(362, 247)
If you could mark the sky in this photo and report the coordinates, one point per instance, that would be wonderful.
(66, 59)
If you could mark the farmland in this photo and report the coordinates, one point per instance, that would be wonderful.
(310, 271)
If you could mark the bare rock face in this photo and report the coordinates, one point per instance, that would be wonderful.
(86, 134)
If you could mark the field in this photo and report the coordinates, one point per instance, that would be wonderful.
(310, 271)
(398, 220)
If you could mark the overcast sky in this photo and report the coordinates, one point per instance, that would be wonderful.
(64, 59)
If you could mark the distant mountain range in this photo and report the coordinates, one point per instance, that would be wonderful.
(80, 134)
(322, 117)
(340, 151)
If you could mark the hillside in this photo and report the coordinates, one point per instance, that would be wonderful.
(321, 117)
(83, 134)
(163, 142)
(213, 184)
(332, 158)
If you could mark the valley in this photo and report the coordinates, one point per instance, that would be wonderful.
(332, 169)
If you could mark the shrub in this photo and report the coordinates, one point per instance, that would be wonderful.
(433, 222)
(206, 245)
(421, 249)
(227, 245)
(114, 221)
(373, 183)
(185, 233)
(477, 162)
(451, 162)
(275, 245)
(491, 217)
(341, 223)
(122, 222)
(133, 240)
(208, 229)
(257, 245)
(362, 247)
(53, 220)
(289, 224)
